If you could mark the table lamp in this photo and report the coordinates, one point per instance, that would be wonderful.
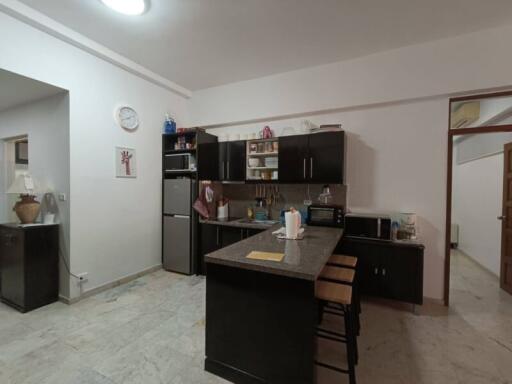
(27, 208)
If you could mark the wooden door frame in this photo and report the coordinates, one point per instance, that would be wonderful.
(451, 134)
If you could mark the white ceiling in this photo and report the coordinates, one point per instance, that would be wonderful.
(17, 90)
(203, 43)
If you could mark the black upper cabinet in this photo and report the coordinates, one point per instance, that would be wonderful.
(293, 158)
(231, 163)
(326, 157)
(208, 164)
(315, 158)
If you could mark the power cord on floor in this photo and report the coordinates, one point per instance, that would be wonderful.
(61, 254)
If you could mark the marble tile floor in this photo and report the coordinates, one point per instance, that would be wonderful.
(152, 331)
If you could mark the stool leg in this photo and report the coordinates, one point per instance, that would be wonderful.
(349, 332)
(357, 309)
(355, 325)
(321, 305)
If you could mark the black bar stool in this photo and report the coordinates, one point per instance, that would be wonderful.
(343, 261)
(340, 296)
(345, 276)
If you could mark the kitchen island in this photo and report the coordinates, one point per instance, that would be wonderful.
(261, 315)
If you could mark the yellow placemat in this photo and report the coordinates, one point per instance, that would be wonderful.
(269, 256)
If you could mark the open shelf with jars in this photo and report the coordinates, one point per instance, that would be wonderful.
(262, 160)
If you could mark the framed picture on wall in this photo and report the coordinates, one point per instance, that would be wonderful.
(21, 152)
(126, 162)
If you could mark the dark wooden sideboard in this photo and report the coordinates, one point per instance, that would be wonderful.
(29, 265)
(391, 270)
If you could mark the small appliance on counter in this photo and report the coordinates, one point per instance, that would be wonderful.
(222, 209)
(408, 227)
(325, 196)
(326, 215)
(368, 226)
(179, 162)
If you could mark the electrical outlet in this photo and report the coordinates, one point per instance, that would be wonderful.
(62, 197)
(82, 278)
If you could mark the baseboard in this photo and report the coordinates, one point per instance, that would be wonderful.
(479, 264)
(110, 285)
(433, 301)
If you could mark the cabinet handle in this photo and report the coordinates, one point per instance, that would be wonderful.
(311, 167)
(376, 271)
(241, 233)
(227, 168)
(383, 271)
(304, 168)
(218, 242)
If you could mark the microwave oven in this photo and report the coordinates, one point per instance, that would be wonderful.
(368, 226)
(179, 162)
(326, 215)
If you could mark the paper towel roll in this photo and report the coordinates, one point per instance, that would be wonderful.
(292, 224)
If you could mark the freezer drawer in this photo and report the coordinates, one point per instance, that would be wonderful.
(177, 196)
(177, 252)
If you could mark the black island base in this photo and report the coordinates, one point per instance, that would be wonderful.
(261, 315)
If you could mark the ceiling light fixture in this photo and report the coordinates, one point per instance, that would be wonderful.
(127, 7)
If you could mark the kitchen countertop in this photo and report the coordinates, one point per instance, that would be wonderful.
(304, 259)
(235, 222)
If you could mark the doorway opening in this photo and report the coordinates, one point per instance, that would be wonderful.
(14, 162)
(479, 164)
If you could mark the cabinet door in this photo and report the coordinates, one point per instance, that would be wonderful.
(222, 161)
(208, 161)
(402, 274)
(13, 266)
(326, 157)
(293, 159)
(368, 267)
(235, 161)
(230, 235)
(210, 242)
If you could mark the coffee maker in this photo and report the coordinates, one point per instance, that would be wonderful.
(408, 226)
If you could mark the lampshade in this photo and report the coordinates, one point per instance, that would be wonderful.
(25, 185)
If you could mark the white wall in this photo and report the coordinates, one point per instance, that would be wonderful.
(115, 223)
(460, 64)
(477, 202)
(46, 122)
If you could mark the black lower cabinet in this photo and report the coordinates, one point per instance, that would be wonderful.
(214, 237)
(29, 261)
(387, 269)
(230, 235)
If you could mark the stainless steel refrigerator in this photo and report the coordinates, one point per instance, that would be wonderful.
(179, 225)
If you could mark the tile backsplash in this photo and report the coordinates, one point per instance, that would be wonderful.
(242, 196)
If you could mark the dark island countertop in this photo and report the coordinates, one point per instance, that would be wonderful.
(303, 259)
(237, 223)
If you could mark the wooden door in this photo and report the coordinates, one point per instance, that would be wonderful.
(326, 157)
(506, 218)
(293, 159)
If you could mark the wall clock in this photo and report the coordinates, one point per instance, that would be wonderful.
(127, 118)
